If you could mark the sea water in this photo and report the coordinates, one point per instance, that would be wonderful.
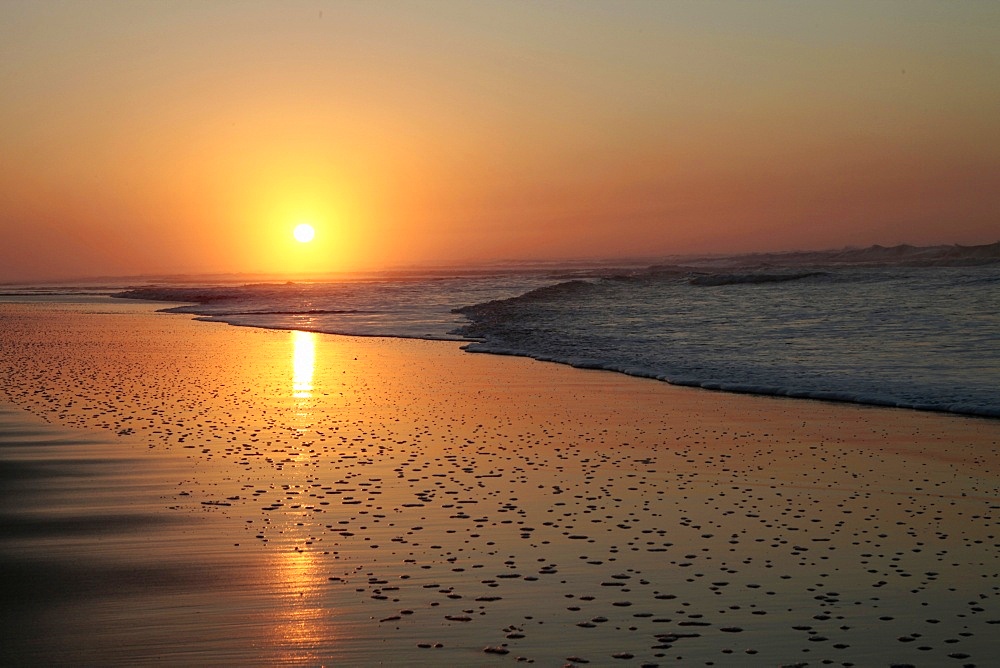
(924, 338)
(411, 307)
(914, 337)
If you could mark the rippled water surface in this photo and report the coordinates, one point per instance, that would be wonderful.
(921, 338)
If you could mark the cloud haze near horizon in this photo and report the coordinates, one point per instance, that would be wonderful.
(156, 137)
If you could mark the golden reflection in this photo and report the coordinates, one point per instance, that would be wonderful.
(303, 363)
(301, 623)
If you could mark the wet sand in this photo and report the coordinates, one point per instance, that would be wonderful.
(190, 493)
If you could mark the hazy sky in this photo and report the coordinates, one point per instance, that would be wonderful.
(163, 137)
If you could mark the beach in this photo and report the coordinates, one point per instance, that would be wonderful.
(190, 493)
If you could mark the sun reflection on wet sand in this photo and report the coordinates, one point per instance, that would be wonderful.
(301, 625)
(303, 363)
(303, 372)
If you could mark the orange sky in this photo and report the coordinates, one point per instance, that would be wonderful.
(165, 137)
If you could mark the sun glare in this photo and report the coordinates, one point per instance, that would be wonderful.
(303, 363)
(304, 233)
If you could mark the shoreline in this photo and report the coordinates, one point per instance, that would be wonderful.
(730, 388)
(480, 346)
(347, 500)
(470, 346)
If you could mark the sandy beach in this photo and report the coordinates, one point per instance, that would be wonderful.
(186, 493)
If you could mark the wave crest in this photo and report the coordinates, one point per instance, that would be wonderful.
(545, 293)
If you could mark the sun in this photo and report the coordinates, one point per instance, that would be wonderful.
(304, 233)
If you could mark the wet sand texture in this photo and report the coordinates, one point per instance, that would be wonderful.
(210, 495)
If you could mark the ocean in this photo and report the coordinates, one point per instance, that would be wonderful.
(892, 328)
(920, 338)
